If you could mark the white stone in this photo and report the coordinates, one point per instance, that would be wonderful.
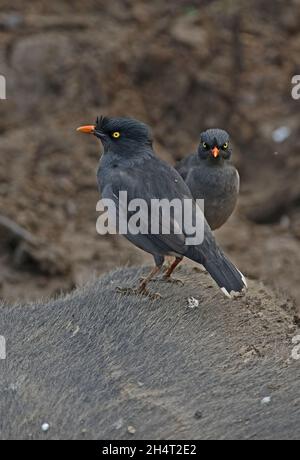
(45, 427)
(266, 400)
(193, 303)
(281, 134)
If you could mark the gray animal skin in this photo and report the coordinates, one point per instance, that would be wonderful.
(94, 363)
(213, 177)
(130, 164)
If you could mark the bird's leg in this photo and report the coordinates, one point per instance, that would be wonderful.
(170, 270)
(144, 282)
(168, 263)
(142, 288)
(159, 262)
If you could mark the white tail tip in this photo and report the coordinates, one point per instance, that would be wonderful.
(224, 290)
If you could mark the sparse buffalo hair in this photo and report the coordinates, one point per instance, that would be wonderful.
(94, 363)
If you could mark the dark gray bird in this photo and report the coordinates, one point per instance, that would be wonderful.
(211, 176)
(129, 164)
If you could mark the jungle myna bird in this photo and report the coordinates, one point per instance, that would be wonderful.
(129, 164)
(211, 176)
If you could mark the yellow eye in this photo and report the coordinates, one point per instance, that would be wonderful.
(116, 134)
(204, 145)
(225, 146)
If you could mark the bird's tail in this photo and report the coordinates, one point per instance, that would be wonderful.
(226, 275)
(229, 279)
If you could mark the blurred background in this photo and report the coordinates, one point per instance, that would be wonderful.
(181, 66)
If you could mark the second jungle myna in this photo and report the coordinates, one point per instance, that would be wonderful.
(211, 176)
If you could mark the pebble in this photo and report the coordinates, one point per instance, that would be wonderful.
(45, 427)
(266, 400)
(281, 134)
(193, 303)
(131, 429)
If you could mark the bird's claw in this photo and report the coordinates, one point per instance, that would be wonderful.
(169, 279)
(125, 291)
(138, 292)
(143, 280)
(155, 296)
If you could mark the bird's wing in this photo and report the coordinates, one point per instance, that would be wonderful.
(155, 179)
(183, 167)
(152, 179)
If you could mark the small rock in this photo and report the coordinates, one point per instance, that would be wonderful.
(45, 427)
(281, 134)
(131, 429)
(193, 303)
(198, 415)
(266, 400)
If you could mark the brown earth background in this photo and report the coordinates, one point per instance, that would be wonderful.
(181, 66)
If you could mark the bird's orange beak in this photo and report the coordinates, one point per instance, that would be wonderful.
(215, 152)
(89, 129)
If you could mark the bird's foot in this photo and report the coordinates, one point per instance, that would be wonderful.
(153, 296)
(169, 279)
(125, 291)
(141, 291)
(159, 279)
(144, 281)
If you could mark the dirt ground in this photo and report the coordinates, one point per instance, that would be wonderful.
(181, 66)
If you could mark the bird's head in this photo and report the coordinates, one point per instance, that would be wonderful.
(119, 135)
(214, 145)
